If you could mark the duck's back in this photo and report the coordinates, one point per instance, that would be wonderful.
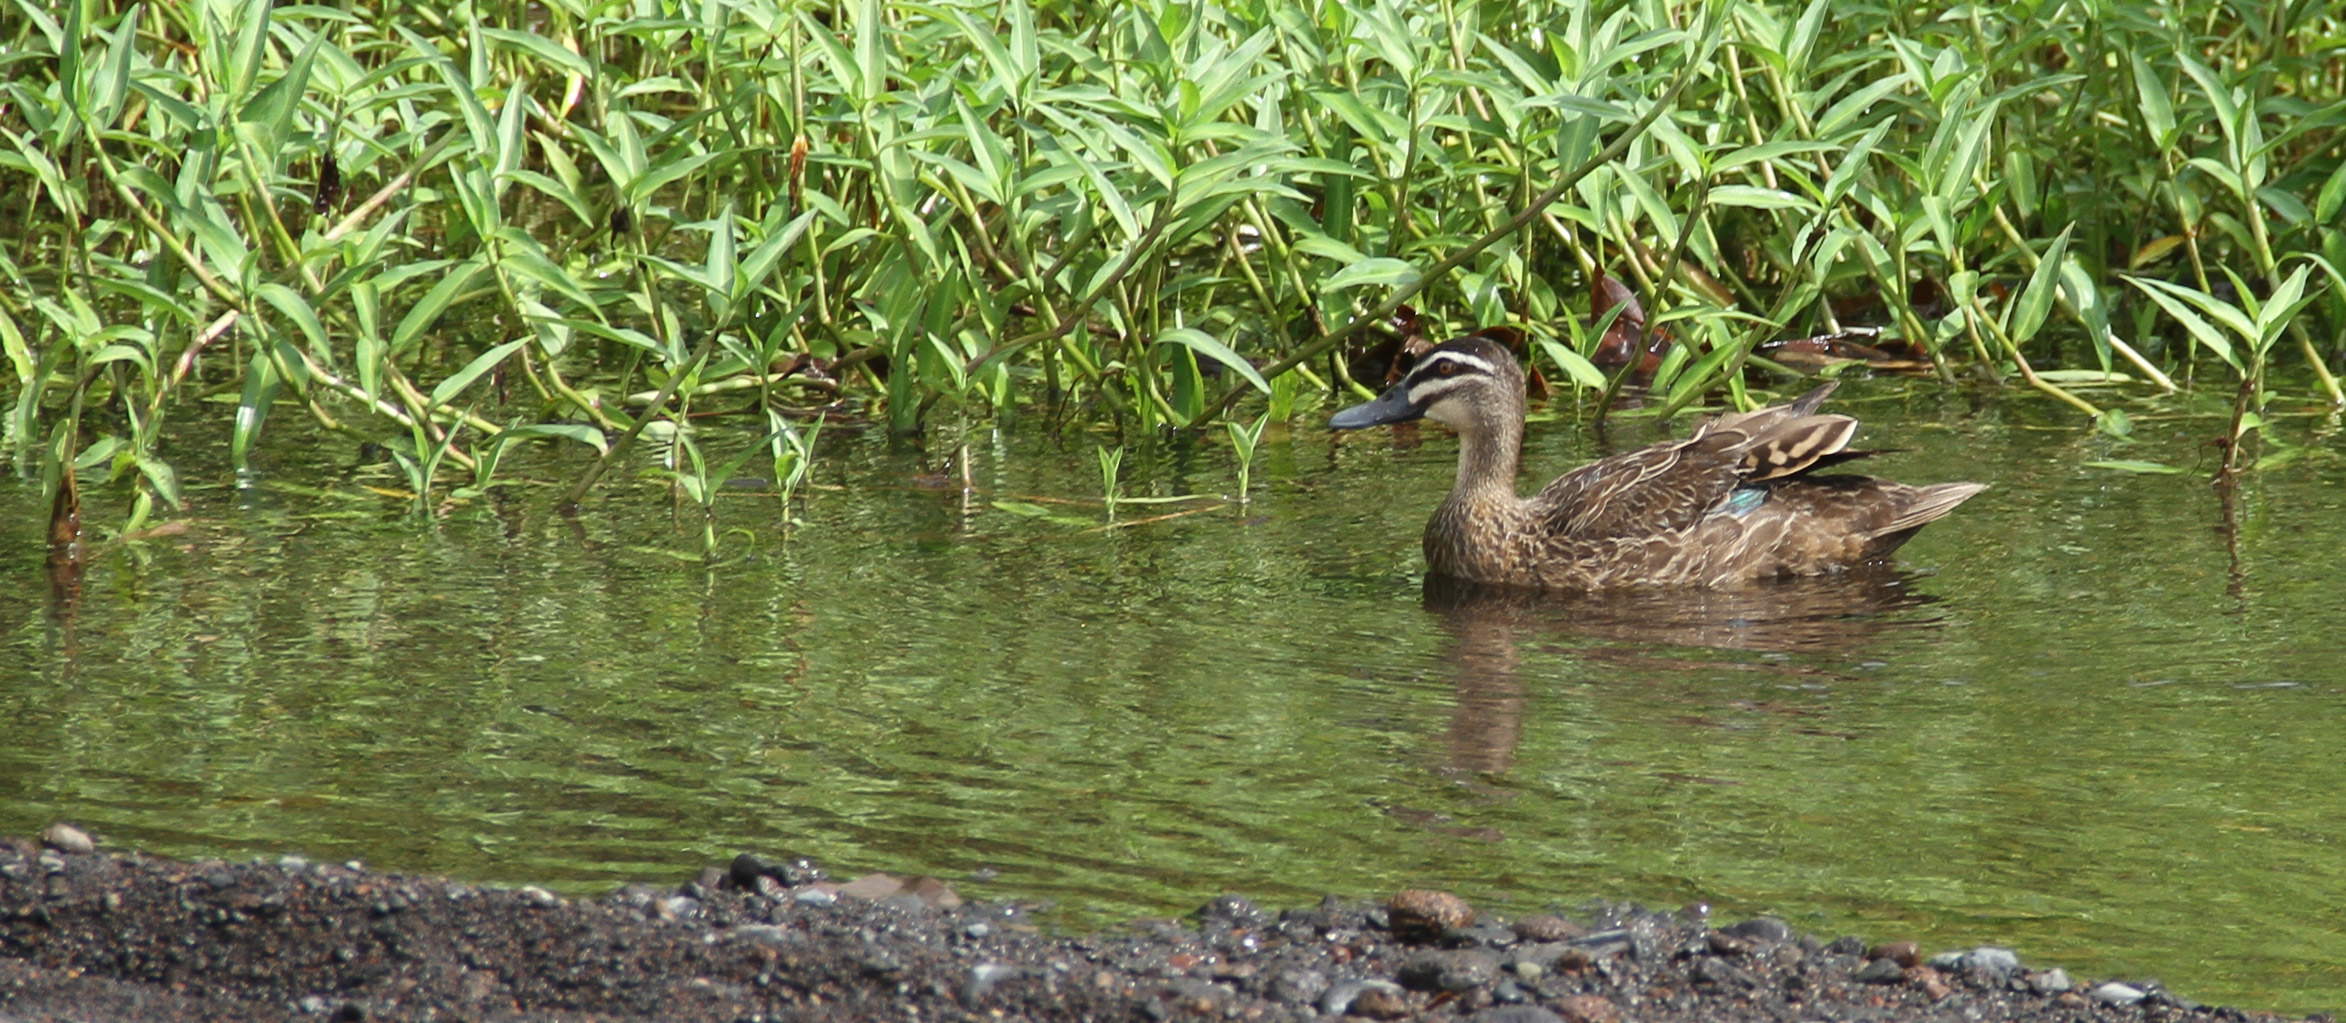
(1736, 502)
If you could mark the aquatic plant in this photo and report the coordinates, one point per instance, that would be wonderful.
(431, 228)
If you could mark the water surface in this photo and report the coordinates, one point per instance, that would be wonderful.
(2094, 717)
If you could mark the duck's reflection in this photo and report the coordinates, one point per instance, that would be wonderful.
(1654, 628)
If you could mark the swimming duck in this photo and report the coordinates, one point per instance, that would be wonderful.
(1734, 503)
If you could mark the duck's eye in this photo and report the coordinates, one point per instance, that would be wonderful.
(1446, 368)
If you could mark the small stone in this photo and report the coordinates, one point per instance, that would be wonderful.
(1588, 1009)
(1760, 928)
(1904, 953)
(1933, 983)
(746, 869)
(314, 1005)
(1300, 986)
(935, 894)
(977, 929)
(1947, 960)
(1881, 971)
(1846, 945)
(1340, 996)
(1487, 935)
(1515, 1014)
(1234, 910)
(2051, 982)
(1455, 972)
(2114, 993)
(1527, 971)
(1547, 927)
(1381, 1003)
(66, 838)
(1991, 959)
(2070, 1000)
(1721, 973)
(540, 897)
(873, 886)
(1417, 914)
(984, 976)
(816, 895)
(1725, 944)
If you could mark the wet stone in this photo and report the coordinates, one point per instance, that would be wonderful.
(1588, 1009)
(1484, 935)
(1298, 986)
(1381, 1003)
(1342, 995)
(2053, 981)
(1515, 1014)
(2114, 993)
(1547, 927)
(1721, 973)
(1846, 945)
(1233, 910)
(1904, 953)
(1762, 928)
(1450, 971)
(1881, 971)
(66, 838)
(1416, 914)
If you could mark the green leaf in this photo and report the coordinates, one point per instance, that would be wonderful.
(2036, 300)
(426, 312)
(473, 370)
(1582, 371)
(1206, 345)
(1759, 198)
(2158, 112)
(2130, 465)
(1375, 270)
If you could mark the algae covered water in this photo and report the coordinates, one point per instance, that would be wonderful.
(2095, 715)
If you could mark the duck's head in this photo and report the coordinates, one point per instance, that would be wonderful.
(1470, 383)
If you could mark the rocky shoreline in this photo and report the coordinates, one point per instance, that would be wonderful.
(90, 935)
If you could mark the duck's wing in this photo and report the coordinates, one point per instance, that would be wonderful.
(1667, 487)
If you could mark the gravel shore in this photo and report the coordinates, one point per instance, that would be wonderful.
(91, 935)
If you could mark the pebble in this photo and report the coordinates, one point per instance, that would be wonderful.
(815, 897)
(984, 976)
(1234, 910)
(540, 897)
(2114, 993)
(1299, 986)
(1760, 928)
(1588, 1009)
(2053, 981)
(977, 929)
(1547, 927)
(1515, 1014)
(1456, 972)
(1341, 996)
(1882, 970)
(1419, 914)
(1904, 953)
(66, 838)
(1380, 1003)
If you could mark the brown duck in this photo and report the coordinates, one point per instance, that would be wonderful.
(1734, 503)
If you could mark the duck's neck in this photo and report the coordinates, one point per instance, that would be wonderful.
(1488, 455)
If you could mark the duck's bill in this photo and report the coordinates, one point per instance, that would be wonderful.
(1391, 407)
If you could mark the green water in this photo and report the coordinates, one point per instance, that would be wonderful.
(2099, 721)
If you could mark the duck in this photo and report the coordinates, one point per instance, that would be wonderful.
(1737, 502)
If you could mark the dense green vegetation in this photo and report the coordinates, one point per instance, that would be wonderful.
(444, 228)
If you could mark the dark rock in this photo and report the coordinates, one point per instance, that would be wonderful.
(1416, 914)
(1760, 928)
(1481, 935)
(1881, 971)
(1454, 971)
(1721, 973)
(1846, 945)
(1381, 1003)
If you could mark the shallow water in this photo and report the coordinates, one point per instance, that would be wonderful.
(2096, 718)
